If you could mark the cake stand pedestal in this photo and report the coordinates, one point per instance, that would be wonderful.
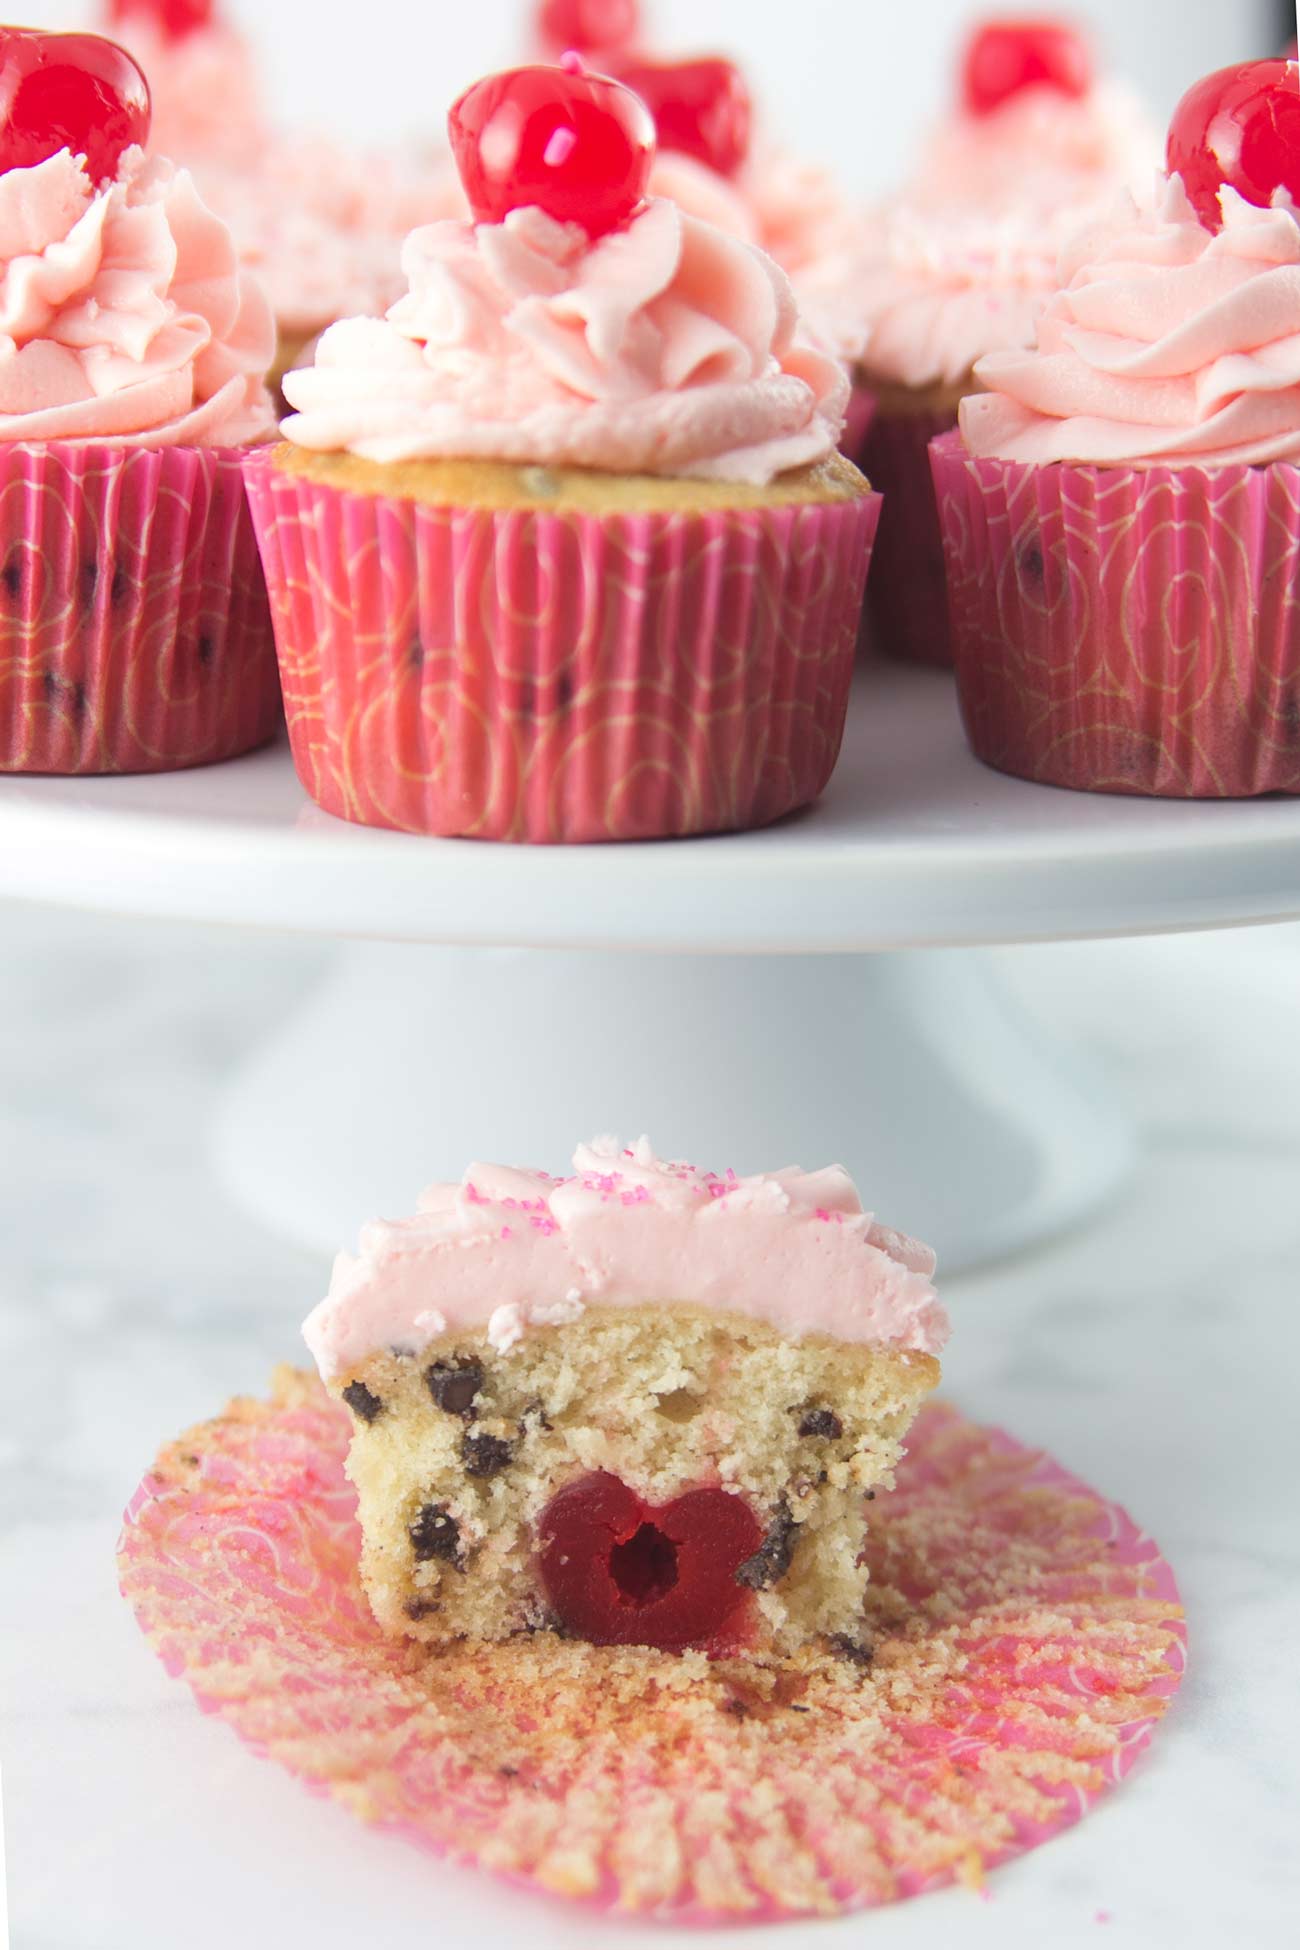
(750, 1000)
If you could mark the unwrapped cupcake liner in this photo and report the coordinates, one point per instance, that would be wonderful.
(135, 632)
(907, 606)
(1127, 629)
(522, 675)
(1027, 1637)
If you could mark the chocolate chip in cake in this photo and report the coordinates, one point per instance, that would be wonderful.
(822, 1422)
(773, 1557)
(485, 1455)
(364, 1405)
(454, 1385)
(435, 1533)
(851, 1649)
(418, 1608)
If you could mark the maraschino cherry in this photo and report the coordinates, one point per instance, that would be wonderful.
(619, 1572)
(1239, 128)
(578, 146)
(1005, 57)
(596, 27)
(174, 19)
(69, 91)
(701, 108)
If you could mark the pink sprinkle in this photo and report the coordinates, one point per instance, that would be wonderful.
(718, 1191)
(639, 1196)
(546, 1226)
(506, 1233)
(474, 1197)
(1103, 1916)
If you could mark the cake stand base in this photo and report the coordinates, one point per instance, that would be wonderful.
(960, 1119)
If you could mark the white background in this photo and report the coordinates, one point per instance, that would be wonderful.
(851, 81)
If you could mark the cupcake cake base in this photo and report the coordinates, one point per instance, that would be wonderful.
(1025, 1640)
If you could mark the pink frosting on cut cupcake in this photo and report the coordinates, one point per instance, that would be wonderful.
(123, 314)
(511, 1251)
(1168, 342)
(666, 347)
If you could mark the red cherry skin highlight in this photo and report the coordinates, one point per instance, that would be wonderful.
(69, 91)
(578, 146)
(1004, 57)
(1239, 127)
(701, 108)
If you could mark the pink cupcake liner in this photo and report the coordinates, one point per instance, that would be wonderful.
(135, 633)
(555, 678)
(1027, 1640)
(907, 604)
(1127, 630)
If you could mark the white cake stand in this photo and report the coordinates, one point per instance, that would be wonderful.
(747, 1001)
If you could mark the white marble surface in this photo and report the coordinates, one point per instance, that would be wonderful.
(1156, 1354)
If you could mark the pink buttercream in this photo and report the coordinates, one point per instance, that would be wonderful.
(123, 314)
(1040, 148)
(205, 89)
(665, 348)
(1167, 342)
(512, 1251)
(931, 293)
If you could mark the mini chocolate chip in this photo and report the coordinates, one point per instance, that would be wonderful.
(364, 1405)
(454, 1385)
(851, 1649)
(435, 1533)
(12, 576)
(822, 1422)
(772, 1559)
(871, 1496)
(1031, 565)
(418, 1608)
(485, 1455)
(737, 1709)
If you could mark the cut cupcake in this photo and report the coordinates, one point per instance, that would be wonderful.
(644, 1405)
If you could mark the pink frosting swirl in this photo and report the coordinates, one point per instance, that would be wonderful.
(931, 293)
(205, 87)
(511, 1251)
(1040, 147)
(1167, 343)
(123, 314)
(665, 348)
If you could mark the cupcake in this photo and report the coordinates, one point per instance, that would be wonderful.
(1121, 506)
(135, 634)
(561, 549)
(959, 265)
(643, 1405)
